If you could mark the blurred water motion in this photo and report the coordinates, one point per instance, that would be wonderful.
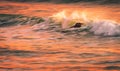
(27, 47)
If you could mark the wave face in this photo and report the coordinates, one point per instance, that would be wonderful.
(101, 28)
(96, 27)
(12, 19)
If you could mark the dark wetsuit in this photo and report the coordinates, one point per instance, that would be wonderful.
(77, 25)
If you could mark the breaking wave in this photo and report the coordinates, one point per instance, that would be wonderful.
(105, 28)
(95, 27)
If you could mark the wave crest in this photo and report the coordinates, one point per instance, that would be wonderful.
(105, 28)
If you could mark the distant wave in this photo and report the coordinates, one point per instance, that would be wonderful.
(70, 1)
(13, 19)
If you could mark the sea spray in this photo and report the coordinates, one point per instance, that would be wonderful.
(93, 25)
(68, 19)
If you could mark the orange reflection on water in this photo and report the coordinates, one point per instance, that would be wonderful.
(27, 50)
(47, 9)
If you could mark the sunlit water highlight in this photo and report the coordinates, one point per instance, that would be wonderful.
(48, 46)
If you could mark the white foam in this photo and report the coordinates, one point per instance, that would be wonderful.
(97, 27)
(105, 28)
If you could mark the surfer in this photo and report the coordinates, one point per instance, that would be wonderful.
(76, 25)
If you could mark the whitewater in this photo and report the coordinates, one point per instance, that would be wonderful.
(99, 27)
(40, 37)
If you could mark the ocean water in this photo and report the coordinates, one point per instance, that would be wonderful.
(36, 43)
